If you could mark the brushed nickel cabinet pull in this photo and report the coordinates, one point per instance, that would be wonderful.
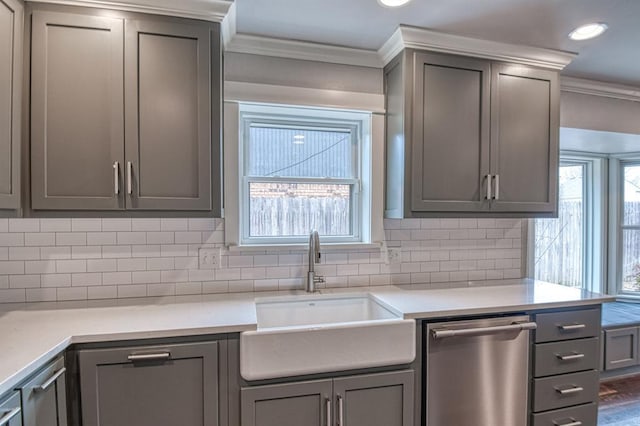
(43, 387)
(116, 177)
(340, 411)
(129, 177)
(569, 391)
(497, 192)
(569, 357)
(570, 327)
(160, 356)
(328, 408)
(572, 422)
(488, 177)
(6, 418)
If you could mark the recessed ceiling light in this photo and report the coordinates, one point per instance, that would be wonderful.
(588, 31)
(393, 3)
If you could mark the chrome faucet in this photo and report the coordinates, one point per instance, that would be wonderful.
(314, 257)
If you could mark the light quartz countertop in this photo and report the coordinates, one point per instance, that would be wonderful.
(31, 334)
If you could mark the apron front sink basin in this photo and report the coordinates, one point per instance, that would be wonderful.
(318, 334)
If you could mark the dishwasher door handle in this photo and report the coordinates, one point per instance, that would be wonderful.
(480, 331)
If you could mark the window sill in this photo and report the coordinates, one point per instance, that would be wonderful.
(302, 247)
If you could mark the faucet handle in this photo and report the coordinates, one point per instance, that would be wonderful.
(318, 279)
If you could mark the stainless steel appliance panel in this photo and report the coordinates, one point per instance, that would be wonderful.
(477, 372)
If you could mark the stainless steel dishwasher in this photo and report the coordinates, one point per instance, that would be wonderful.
(477, 372)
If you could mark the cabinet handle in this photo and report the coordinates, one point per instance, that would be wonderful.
(488, 187)
(569, 391)
(328, 407)
(129, 177)
(43, 387)
(6, 418)
(497, 192)
(572, 422)
(160, 356)
(116, 177)
(572, 327)
(340, 411)
(570, 356)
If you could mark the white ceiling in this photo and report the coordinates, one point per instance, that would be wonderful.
(614, 57)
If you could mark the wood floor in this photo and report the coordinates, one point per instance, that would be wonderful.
(620, 403)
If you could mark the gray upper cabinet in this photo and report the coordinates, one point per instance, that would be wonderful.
(11, 24)
(149, 386)
(524, 133)
(44, 401)
(468, 136)
(77, 109)
(125, 112)
(168, 124)
(451, 112)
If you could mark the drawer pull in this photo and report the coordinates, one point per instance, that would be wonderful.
(8, 415)
(570, 357)
(569, 391)
(572, 422)
(160, 356)
(43, 387)
(571, 327)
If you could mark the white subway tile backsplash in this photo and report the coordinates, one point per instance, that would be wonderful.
(76, 259)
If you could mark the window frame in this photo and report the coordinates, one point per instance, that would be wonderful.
(595, 247)
(359, 125)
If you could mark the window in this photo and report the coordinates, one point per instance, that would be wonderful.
(570, 249)
(560, 243)
(303, 169)
(630, 228)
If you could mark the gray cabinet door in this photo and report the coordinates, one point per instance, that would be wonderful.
(168, 116)
(77, 112)
(10, 410)
(11, 23)
(289, 404)
(524, 138)
(450, 158)
(621, 348)
(150, 386)
(44, 401)
(375, 400)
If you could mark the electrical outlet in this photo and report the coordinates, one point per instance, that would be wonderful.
(394, 255)
(209, 258)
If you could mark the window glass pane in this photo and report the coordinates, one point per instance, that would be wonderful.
(630, 260)
(631, 195)
(559, 243)
(294, 209)
(298, 152)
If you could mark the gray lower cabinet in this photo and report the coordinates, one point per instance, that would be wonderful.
(44, 401)
(10, 410)
(566, 368)
(384, 399)
(11, 23)
(468, 135)
(151, 385)
(621, 348)
(123, 112)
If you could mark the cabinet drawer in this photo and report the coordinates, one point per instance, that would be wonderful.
(566, 357)
(568, 325)
(10, 410)
(44, 399)
(565, 390)
(583, 415)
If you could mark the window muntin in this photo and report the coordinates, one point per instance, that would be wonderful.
(301, 172)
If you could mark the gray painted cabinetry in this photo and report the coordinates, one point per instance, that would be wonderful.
(44, 401)
(620, 348)
(151, 385)
(11, 24)
(565, 368)
(467, 136)
(10, 410)
(124, 112)
(384, 399)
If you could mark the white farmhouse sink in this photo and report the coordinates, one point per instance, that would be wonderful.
(316, 334)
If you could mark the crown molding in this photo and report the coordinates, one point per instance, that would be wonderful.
(294, 49)
(228, 26)
(419, 38)
(598, 88)
(209, 10)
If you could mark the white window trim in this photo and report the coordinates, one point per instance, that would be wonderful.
(375, 174)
